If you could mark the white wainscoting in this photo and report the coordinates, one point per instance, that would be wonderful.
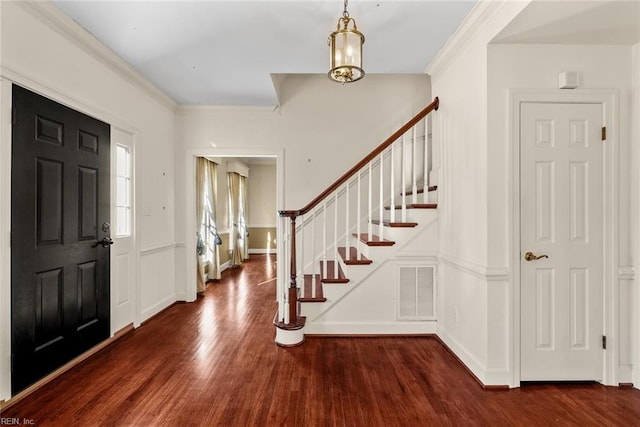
(466, 321)
(157, 279)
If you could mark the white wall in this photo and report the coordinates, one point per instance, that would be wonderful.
(635, 200)
(473, 77)
(537, 67)
(473, 317)
(46, 52)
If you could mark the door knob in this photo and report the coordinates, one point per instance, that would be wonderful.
(530, 256)
(106, 242)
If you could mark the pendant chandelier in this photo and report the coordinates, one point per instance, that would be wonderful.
(345, 45)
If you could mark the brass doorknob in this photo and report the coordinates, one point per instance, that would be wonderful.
(530, 256)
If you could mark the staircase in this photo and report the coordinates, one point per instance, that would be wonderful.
(344, 249)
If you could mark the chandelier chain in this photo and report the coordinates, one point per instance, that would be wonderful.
(345, 13)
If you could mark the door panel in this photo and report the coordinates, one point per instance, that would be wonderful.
(59, 200)
(562, 223)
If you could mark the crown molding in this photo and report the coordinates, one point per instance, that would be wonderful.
(48, 14)
(189, 109)
(481, 15)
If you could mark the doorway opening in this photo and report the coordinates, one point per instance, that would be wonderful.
(251, 230)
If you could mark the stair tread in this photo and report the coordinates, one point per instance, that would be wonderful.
(416, 206)
(375, 240)
(420, 190)
(331, 278)
(353, 256)
(308, 289)
(395, 224)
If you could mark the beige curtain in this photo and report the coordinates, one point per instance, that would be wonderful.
(201, 167)
(214, 262)
(244, 215)
(235, 218)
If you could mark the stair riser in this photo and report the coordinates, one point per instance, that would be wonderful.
(421, 216)
(398, 234)
(433, 197)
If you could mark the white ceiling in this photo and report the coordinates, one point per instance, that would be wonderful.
(225, 52)
(603, 22)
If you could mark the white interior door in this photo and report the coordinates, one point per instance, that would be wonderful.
(561, 205)
(123, 265)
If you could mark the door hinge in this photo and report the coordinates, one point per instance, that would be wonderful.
(604, 133)
(604, 342)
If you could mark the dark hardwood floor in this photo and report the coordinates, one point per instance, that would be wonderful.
(214, 362)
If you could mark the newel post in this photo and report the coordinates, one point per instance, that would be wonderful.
(293, 284)
(290, 332)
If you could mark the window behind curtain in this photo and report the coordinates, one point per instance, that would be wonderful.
(208, 228)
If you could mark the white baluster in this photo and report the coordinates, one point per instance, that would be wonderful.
(313, 254)
(370, 215)
(403, 168)
(335, 235)
(358, 216)
(425, 184)
(381, 202)
(347, 252)
(324, 239)
(414, 188)
(393, 186)
(300, 277)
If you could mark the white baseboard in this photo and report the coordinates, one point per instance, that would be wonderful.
(625, 374)
(263, 251)
(370, 328)
(487, 376)
(157, 307)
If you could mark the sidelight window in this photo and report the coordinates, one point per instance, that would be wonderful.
(123, 191)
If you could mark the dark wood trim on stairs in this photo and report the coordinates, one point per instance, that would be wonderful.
(300, 322)
(375, 240)
(415, 206)
(353, 257)
(395, 224)
(330, 273)
(421, 190)
(308, 289)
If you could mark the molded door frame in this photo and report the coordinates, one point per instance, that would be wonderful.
(189, 291)
(609, 101)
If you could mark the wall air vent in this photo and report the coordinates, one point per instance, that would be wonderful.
(416, 292)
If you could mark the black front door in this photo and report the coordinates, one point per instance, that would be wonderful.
(59, 218)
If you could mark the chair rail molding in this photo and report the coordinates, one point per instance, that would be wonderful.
(488, 273)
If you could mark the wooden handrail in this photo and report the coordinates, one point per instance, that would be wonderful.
(333, 187)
